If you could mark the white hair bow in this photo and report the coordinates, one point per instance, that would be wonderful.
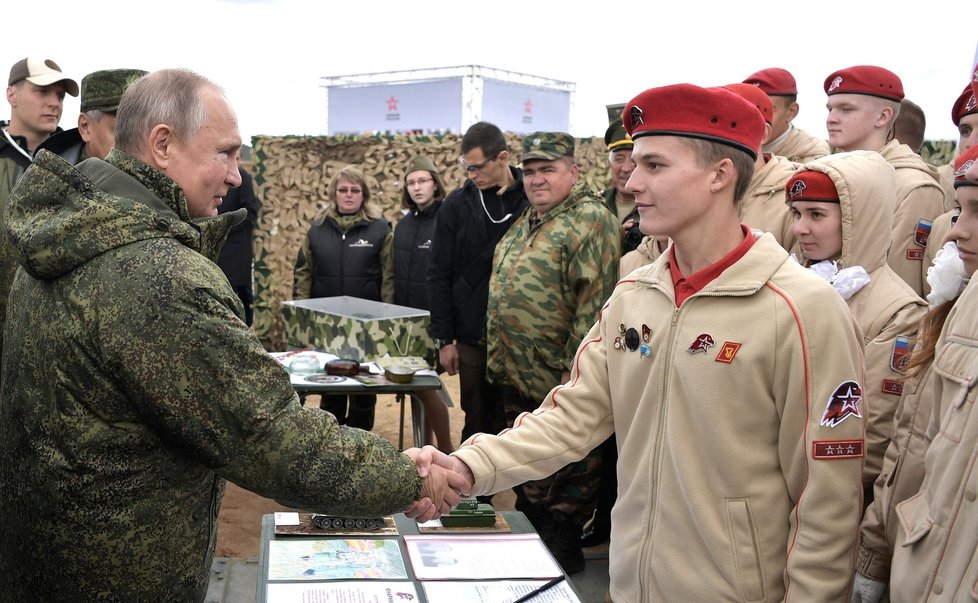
(946, 275)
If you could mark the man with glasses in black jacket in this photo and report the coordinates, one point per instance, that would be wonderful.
(472, 219)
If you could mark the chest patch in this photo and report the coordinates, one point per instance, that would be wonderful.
(728, 351)
(703, 343)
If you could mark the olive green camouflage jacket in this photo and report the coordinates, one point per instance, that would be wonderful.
(132, 389)
(548, 284)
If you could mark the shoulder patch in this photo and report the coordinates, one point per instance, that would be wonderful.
(900, 354)
(922, 231)
(842, 404)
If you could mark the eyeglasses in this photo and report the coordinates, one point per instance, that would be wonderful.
(418, 182)
(344, 190)
(475, 167)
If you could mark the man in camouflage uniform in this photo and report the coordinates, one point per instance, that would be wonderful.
(552, 272)
(95, 134)
(618, 200)
(36, 92)
(136, 389)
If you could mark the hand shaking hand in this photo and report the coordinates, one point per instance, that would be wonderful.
(444, 480)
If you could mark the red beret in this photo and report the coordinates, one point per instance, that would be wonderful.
(756, 96)
(865, 79)
(774, 81)
(962, 163)
(965, 105)
(974, 81)
(714, 114)
(811, 186)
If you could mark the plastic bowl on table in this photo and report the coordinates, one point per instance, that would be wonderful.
(304, 365)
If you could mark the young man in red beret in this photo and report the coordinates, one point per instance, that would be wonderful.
(763, 205)
(729, 374)
(863, 102)
(786, 140)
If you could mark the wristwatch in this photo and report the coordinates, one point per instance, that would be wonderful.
(440, 343)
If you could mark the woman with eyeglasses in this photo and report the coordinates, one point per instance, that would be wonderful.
(421, 200)
(347, 252)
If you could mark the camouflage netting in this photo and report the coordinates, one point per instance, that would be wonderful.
(292, 173)
(291, 176)
(938, 152)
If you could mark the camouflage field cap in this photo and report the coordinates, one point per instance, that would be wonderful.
(547, 146)
(102, 90)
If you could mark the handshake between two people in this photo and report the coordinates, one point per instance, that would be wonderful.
(444, 481)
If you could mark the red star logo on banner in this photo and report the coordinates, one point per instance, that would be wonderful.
(392, 103)
(528, 106)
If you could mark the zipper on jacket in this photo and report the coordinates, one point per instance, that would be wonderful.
(645, 557)
(342, 290)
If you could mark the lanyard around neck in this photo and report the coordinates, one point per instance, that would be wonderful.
(491, 219)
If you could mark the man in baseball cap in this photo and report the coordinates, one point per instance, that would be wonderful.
(553, 269)
(101, 92)
(36, 91)
(786, 140)
(728, 373)
(863, 102)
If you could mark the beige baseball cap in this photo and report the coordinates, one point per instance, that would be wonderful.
(41, 72)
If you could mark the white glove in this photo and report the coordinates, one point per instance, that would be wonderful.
(867, 590)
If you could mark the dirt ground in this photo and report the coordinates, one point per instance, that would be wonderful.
(239, 524)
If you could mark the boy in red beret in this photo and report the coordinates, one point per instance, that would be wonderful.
(786, 139)
(763, 205)
(863, 102)
(729, 374)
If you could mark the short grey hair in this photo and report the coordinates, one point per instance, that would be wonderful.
(168, 96)
(94, 115)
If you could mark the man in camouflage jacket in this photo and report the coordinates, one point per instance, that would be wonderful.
(552, 271)
(132, 387)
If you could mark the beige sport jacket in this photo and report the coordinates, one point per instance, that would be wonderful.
(739, 431)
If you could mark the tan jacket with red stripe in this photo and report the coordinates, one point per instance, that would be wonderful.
(738, 429)
(887, 310)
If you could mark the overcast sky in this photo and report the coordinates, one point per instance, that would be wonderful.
(269, 55)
